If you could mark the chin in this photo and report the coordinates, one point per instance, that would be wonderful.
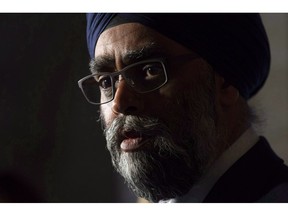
(156, 176)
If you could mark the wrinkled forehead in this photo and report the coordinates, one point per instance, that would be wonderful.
(135, 39)
(125, 34)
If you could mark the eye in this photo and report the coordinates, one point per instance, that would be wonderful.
(152, 70)
(104, 82)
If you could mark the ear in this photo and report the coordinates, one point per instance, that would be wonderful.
(227, 94)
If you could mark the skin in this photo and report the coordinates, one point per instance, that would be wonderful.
(117, 41)
(114, 45)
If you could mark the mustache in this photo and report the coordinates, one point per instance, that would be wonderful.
(146, 126)
(153, 128)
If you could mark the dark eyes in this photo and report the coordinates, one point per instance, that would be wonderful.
(152, 70)
(105, 82)
(140, 76)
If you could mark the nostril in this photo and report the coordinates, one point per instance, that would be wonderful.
(130, 110)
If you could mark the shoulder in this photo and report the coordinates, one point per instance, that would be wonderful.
(258, 176)
(278, 194)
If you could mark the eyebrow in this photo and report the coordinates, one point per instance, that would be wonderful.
(151, 50)
(102, 62)
(107, 62)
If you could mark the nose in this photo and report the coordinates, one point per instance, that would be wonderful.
(126, 100)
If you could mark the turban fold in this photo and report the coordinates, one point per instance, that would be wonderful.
(235, 45)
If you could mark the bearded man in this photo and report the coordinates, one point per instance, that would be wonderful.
(173, 92)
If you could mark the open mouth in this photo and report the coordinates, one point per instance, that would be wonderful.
(132, 141)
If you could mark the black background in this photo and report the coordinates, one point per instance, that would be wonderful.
(51, 146)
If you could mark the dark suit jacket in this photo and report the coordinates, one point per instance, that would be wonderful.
(252, 177)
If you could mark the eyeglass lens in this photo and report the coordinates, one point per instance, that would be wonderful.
(142, 77)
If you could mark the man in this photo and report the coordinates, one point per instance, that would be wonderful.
(173, 91)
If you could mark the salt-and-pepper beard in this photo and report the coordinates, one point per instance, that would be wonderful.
(178, 151)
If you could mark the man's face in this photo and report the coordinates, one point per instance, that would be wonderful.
(161, 142)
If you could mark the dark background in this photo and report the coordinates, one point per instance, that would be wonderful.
(51, 145)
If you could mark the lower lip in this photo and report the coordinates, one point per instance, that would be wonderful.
(131, 144)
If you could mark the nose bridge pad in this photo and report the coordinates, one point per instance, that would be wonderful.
(126, 82)
(130, 82)
(117, 82)
(120, 85)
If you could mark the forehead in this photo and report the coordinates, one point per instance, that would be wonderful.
(122, 39)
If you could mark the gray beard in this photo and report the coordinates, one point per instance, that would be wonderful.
(175, 156)
(160, 171)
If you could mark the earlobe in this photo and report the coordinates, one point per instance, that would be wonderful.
(227, 93)
(230, 95)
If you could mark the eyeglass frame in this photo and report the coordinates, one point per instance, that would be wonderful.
(163, 61)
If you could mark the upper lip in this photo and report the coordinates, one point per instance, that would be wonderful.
(130, 134)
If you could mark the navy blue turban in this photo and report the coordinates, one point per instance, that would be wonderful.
(235, 45)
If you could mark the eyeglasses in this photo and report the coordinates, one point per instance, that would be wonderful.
(143, 77)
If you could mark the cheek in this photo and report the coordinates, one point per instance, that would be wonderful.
(179, 83)
(106, 113)
(176, 87)
(188, 78)
(169, 103)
